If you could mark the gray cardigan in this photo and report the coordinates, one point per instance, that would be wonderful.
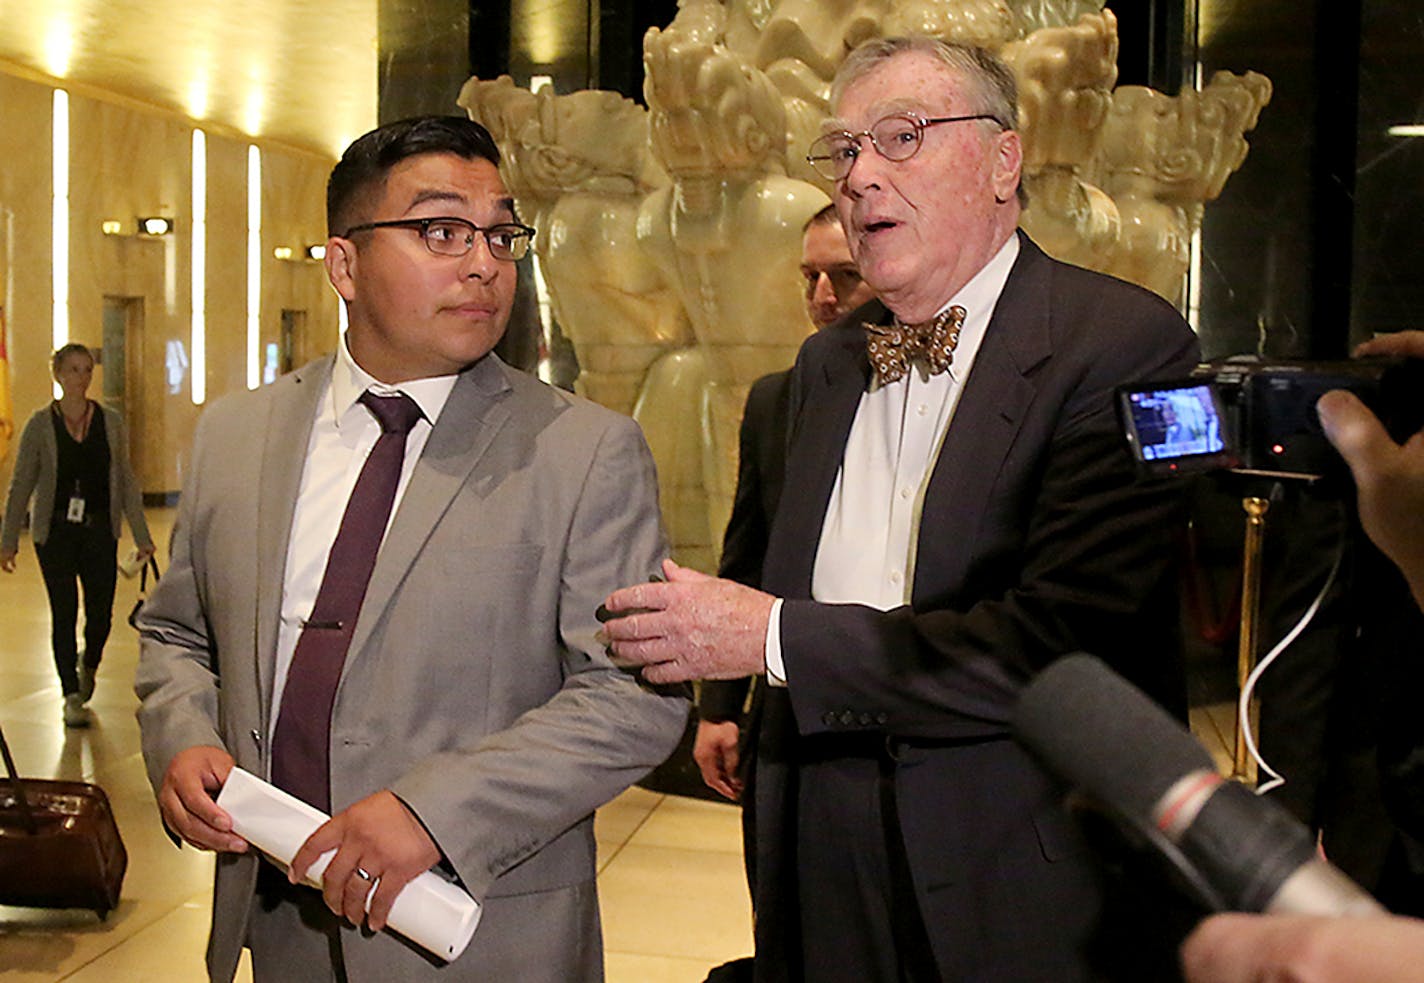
(36, 465)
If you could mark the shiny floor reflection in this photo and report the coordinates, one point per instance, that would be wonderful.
(670, 870)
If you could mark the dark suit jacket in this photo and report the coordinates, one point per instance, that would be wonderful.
(760, 462)
(1036, 540)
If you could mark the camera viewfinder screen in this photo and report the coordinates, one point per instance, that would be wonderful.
(1177, 422)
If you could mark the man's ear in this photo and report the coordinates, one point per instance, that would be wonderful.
(1008, 165)
(341, 266)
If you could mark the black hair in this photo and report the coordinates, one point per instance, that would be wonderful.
(363, 168)
(826, 216)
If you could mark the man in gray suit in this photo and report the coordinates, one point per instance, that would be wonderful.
(476, 723)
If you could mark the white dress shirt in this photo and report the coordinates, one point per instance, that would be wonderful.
(866, 553)
(341, 439)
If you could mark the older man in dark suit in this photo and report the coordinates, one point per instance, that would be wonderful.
(959, 511)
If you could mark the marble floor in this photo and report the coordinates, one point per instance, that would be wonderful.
(670, 872)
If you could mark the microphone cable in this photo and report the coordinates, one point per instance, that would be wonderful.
(1243, 703)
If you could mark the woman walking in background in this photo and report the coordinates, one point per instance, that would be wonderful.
(73, 460)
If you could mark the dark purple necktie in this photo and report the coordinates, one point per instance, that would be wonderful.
(301, 743)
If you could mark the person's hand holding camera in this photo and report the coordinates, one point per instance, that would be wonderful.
(1246, 948)
(1389, 477)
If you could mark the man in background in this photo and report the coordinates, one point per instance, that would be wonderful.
(730, 710)
(834, 288)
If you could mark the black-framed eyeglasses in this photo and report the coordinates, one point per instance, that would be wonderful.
(896, 137)
(449, 236)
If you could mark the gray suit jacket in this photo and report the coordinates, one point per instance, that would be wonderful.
(474, 687)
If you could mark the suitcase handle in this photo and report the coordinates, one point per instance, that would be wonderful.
(27, 815)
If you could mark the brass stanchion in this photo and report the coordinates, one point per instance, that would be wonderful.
(1242, 770)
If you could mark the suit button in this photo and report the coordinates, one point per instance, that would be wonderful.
(829, 718)
(847, 717)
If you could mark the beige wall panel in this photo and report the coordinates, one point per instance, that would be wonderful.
(227, 266)
(25, 245)
(126, 162)
(294, 215)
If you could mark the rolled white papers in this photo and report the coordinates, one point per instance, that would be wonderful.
(430, 911)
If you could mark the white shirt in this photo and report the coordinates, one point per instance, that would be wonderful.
(866, 553)
(341, 439)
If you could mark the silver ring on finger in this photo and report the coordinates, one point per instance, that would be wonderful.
(363, 873)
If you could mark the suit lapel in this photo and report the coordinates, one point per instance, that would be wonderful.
(823, 406)
(478, 408)
(284, 455)
(986, 423)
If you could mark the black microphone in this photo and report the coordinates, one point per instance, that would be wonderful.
(1098, 732)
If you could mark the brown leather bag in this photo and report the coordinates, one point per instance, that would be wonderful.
(59, 844)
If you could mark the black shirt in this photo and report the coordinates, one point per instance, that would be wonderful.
(83, 469)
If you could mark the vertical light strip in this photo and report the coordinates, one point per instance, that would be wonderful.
(1194, 275)
(200, 260)
(1194, 262)
(59, 209)
(544, 367)
(254, 267)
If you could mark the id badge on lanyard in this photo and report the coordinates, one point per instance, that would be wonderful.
(75, 512)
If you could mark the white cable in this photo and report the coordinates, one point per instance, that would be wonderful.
(1243, 704)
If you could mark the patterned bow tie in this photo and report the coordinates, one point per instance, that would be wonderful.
(892, 348)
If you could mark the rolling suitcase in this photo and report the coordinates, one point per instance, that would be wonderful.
(59, 844)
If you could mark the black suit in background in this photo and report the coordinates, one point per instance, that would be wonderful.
(761, 461)
(1035, 540)
(760, 468)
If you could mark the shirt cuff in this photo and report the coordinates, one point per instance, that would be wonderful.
(775, 664)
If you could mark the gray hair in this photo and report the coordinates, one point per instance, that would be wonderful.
(992, 85)
(991, 82)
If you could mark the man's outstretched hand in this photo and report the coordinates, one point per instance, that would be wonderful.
(690, 627)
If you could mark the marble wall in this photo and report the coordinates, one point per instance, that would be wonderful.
(25, 242)
(128, 160)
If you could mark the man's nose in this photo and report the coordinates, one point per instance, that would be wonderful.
(864, 169)
(479, 263)
(823, 291)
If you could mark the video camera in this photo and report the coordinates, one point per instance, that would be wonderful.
(1258, 418)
